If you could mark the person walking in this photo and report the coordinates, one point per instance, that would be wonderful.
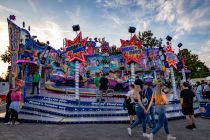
(36, 79)
(97, 83)
(130, 103)
(15, 105)
(140, 111)
(8, 102)
(147, 95)
(139, 82)
(160, 100)
(198, 91)
(186, 99)
(206, 90)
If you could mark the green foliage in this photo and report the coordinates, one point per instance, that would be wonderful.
(198, 68)
(148, 39)
(6, 56)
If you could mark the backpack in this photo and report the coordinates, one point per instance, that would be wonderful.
(144, 98)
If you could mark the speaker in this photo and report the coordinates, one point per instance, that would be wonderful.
(76, 27)
(168, 38)
(179, 45)
(131, 29)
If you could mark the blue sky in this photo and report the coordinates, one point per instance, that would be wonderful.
(187, 21)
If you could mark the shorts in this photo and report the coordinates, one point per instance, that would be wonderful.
(188, 110)
(131, 109)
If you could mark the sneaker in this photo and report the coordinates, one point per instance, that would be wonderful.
(145, 135)
(150, 136)
(16, 123)
(189, 127)
(8, 123)
(129, 131)
(169, 137)
(194, 126)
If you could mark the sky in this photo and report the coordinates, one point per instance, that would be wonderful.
(187, 21)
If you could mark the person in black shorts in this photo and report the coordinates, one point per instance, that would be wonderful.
(186, 99)
(130, 103)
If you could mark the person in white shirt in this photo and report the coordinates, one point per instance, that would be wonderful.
(206, 89)
(198, 91)
(130, 103)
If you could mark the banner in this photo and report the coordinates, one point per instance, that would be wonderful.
(132, 50)
(76, 49)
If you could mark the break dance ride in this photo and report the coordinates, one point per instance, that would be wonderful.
(68, 92)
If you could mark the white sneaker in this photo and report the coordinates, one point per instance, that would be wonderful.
(8, 123)
(169, 137)
(16, 123)
(145, 135)
(150, 136)
(129, 131)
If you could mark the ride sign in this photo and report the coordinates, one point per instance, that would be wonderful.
(76, 49)
(132, 50)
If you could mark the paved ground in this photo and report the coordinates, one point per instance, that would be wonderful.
(98, 131)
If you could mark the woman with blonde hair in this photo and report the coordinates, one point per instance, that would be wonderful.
(140, 111)
(160, 100)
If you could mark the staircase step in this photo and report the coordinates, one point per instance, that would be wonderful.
(87, 102)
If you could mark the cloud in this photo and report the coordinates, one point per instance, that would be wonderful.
(8, 10)
(60, 1)
(113, 3)
(49, 31)
(32, 5)
(204, 51)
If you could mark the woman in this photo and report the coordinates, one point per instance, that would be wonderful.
(140, 111)
(15, 105)
(160, 100)
(198, 91)
(130, 103)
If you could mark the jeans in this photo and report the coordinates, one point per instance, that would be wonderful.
(152, 116)
(14, 115)
(37, 87)
(140, 117)
(8, 113)
(162, 120)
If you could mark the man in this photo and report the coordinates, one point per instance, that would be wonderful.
(186, 99)
(36, 79)
(139, 82)
(103, 84)
(206, 89)
(97, 83)
(147, 95)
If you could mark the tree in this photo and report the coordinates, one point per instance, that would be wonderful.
(148, 39)
(6, 56)
(198, 68)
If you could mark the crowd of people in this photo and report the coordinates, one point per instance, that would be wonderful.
(145, 100)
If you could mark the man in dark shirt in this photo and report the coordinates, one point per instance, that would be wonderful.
(186, 99)
(103, 84)
(139, 82)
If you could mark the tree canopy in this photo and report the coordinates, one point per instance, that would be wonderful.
(6, 56)
(197, 67)
(148, 39)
